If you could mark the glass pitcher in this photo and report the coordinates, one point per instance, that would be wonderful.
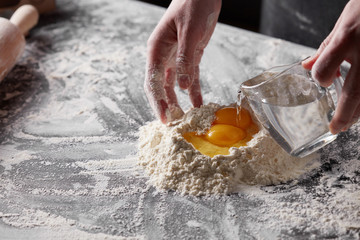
(293, 107)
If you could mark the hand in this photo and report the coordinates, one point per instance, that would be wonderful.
(174, 52)
(343, 43)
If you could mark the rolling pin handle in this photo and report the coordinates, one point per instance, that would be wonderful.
(25, 17)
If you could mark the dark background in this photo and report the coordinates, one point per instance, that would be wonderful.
(306, 22)
(239, 13)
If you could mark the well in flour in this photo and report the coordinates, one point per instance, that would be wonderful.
(173, 163)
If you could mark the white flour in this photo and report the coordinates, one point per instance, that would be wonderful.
(173, 163)
(330, 209)
(53, 225)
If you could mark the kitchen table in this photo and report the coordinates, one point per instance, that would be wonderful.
(70, 111)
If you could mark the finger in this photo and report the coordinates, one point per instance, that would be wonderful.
(185, 59)
(354, 119)
(308, 63)
(348, 102)
(185, 71)
(169, 87)
(333, 54)
(174, 107)
(356, 115)
(157, 57)
(161, 46)
(155, 92)
(326, 67)
(198, 55)
(195, 90)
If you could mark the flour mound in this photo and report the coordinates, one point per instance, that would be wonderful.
(173, 163)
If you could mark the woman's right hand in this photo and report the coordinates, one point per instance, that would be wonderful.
(343, 44)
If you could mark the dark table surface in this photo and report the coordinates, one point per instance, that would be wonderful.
(70, 111)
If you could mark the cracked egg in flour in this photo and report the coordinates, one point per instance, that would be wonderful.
(229, 129)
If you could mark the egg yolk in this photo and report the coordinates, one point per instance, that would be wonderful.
(230, 116)
(224, 135)
(229, 129)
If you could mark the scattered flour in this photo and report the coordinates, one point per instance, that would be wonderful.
(10, 156)
(53, 225)
(173, 163)
(330, 209)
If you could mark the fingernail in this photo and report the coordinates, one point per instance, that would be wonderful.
(306, 63)
(306, 60)
(198, 101)
(176, 113)
(184, 80)
(346, 128)
(334, 130)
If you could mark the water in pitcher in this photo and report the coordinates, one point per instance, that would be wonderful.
(295, 112)
(298, 125)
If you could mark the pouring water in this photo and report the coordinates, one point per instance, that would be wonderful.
(292, 107)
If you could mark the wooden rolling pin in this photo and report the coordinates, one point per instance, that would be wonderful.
(43, 6)
(12, 41)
